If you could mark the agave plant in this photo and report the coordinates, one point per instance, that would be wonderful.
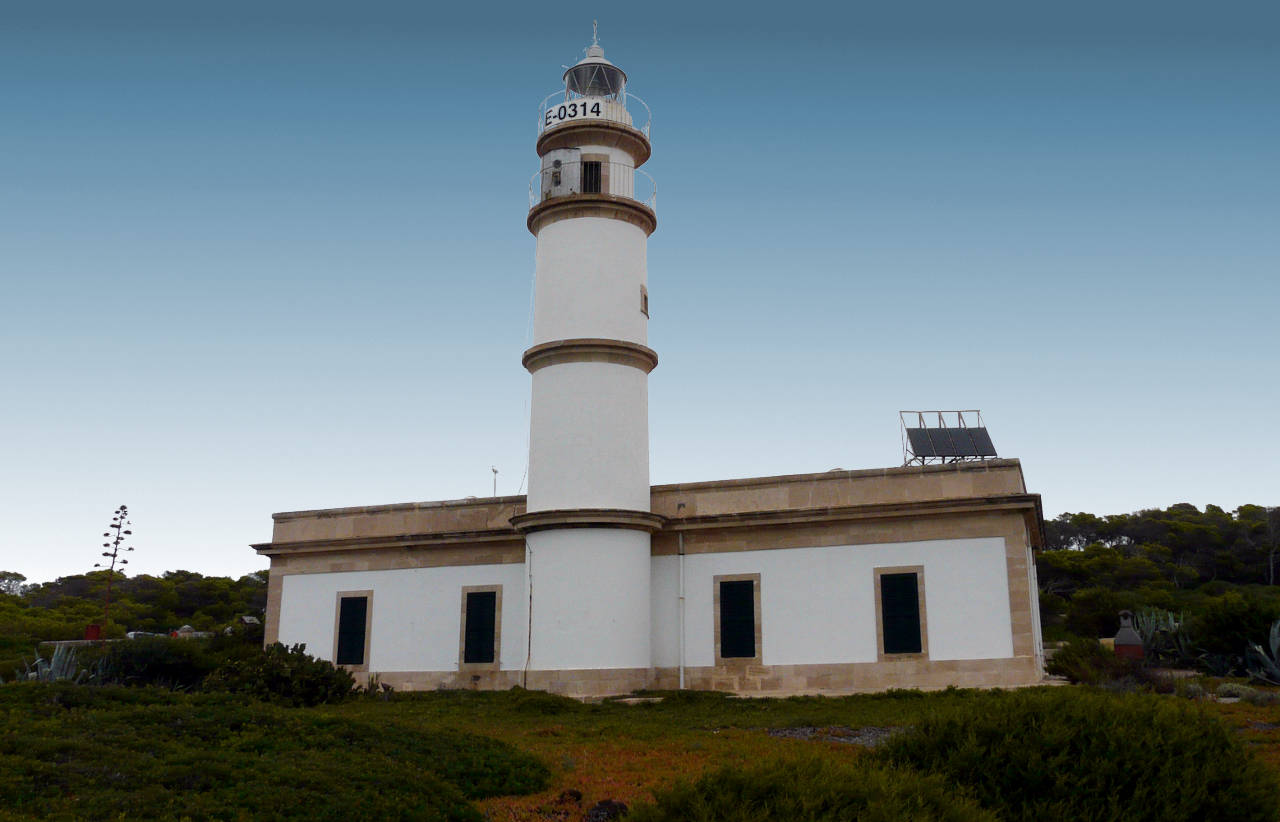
(1262, 666)
(61, 667)
(1163, 636)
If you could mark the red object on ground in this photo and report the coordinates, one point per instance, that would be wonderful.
(1129, 651)
(93, 631)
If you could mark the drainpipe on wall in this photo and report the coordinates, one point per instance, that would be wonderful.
(528, 621)
(680, 537)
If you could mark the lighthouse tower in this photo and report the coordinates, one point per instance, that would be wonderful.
(587, 524)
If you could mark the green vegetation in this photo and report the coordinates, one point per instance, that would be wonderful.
(142, 753)
(1075, 754)
(812, 790)
(287, 676)
(1214, 572)
(79, 751)
(61, 609)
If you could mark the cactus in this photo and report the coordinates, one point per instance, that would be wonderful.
(1263, 666)
(61, 667)
(1163, 636)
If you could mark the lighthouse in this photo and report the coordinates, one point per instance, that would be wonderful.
(596, 583)
(587, 523)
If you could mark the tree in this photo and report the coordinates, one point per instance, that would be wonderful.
(12, 583)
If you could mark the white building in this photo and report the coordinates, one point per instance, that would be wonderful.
(598, 583)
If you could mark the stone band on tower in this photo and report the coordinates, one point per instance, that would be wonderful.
(587, 524)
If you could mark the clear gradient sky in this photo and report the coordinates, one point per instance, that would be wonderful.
(260, 257)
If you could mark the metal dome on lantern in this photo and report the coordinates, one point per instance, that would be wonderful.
(595, 89)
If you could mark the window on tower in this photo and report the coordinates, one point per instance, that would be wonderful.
(592, 177)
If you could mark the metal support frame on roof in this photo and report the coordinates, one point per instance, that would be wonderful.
(939, 437)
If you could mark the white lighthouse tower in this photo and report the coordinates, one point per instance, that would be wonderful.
(588, 522)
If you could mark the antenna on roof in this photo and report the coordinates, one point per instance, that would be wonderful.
(953, 436)
(595, 34)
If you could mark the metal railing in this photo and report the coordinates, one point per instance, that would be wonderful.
(566, 106)
(563, 179)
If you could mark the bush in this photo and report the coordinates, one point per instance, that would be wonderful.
(1229, 624)
(1073, 754)
(1095, 611)
(179, 664)
(288, 676)
(542, 703)
(1189, 689)
(1233, 690)
(1086, 661)
(811, 790)
(72, 752)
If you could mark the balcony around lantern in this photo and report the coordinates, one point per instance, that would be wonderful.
(565, 179)
(565, 106)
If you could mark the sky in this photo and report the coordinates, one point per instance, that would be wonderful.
(260, 257)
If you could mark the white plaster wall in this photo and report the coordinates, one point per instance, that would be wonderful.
(590, 598)
(615, 154)
(589, 437)
(818, 604)
(417, 614)
(587, 282)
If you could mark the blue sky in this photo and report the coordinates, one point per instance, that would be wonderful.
(264, 257)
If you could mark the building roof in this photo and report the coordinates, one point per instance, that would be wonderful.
(967, 487)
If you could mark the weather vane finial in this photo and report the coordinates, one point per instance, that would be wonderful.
(595, 36)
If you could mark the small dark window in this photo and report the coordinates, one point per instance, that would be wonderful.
(482, 608)
(591, 177)
(738, 618)
(644, 300)
(900, 613)
(353, 613)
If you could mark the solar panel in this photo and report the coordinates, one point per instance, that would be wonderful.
(950, 443)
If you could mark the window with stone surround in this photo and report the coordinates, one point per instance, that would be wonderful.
(481, 631)
(352, 620)
(901, 628)
(737, 618)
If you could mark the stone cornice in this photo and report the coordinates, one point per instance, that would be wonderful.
(426, 540)
(596, 133)
(608, 206)
(587, 518)
(588, 349)
(1028, 505)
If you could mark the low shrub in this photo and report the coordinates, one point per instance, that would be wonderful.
(1086, 661)
(179, 664)
(73, 752)
(811, 790)
(542, 703)
(1254, 696)
(1262, 698)
(1232, 690)
(1190, 689)
(284, 675)
(1064, 753)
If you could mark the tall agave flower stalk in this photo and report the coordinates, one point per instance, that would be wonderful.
(117, 533)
